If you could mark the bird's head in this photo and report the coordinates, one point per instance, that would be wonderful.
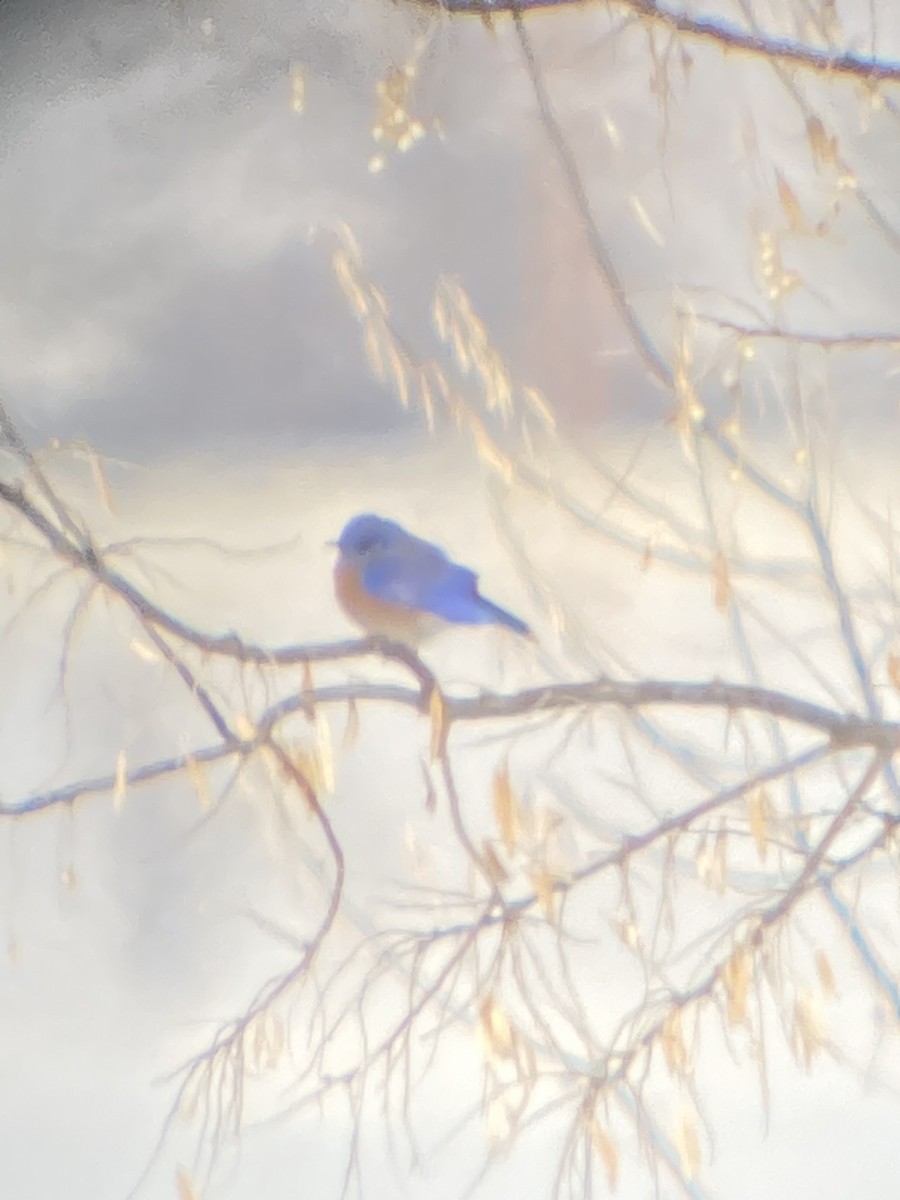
(366, 537)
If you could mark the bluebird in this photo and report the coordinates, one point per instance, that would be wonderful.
(398, 586)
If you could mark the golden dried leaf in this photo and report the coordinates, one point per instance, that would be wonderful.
(495, 867)
(325, 753)
(439, 380)
(506, 808)
(343, 273)
(298, 90)
(497, 385)
(736, 977)
(351, 729)
(257, 1041)
(498, 1120)
(372, 347)
(688, 409)
(779, 280)
(399, 374)
(688, 1144)
(349, 245)
(542, 882)
(809, 1027)
(825, 973)
(308, 763)
(768, 253)
(426, 399)
(824, 146)
(672, 1041)
(100, 481)
(788, 281)
(121, 781)
(460, 347)
(704, 861)
(629, 933)
(606, 1148)
(790, 205)
(143, 651)
(189, 1102)
(721, 583)
(439, 316)
(758, 806)
(498, 1032)
(538, 404)
(244, 727)
(488, 451)
(440, 726)
(185, 1185)
(644, 220)
(893, 669)
(360, 299)
(198, 781)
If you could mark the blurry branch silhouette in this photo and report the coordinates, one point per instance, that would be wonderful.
(827, 60)
(739, 961)
(825, 341)
(218, 1073)
(843, 730)
(745, 802)
(518, 927)
(706, 443)
(693, 424)
(826, 148)
(80, 552)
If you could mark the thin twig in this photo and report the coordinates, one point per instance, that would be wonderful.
(712, 29)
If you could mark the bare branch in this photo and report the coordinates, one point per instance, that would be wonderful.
(716, 30)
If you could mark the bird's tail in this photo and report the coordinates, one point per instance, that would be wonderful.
(501, 617)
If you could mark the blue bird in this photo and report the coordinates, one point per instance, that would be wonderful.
(398, 586)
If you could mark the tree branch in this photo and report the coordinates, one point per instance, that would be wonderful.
(89, 558)
(717, 30)
(845, 731)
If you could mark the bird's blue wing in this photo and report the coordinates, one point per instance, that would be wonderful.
(459, 600)
(422, 579)
(422, 582)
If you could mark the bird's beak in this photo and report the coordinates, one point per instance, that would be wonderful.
(333, 545)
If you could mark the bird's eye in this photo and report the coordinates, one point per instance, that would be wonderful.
(366, 545)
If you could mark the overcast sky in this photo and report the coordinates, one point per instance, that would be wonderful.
(169, 217)
(166, 238)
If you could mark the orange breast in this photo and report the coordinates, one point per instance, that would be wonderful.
(379, 616)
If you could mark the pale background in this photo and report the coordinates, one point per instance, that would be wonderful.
(167, 295)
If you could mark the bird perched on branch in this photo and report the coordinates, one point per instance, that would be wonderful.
(398, 586)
